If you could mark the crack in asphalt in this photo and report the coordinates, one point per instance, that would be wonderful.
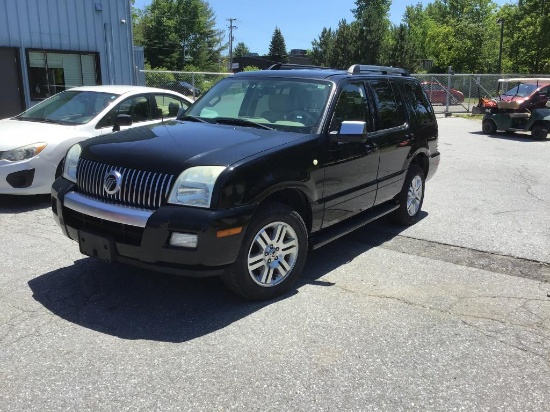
(463, 256)
(523, 175)
(536, 328)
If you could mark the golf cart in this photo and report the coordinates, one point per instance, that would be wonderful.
(524, 107)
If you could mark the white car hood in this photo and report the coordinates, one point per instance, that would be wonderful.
(17, 133)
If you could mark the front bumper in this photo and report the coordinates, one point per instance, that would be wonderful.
(141, 237)
(27, 177)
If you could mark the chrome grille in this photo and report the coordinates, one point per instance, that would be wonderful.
(138, 188)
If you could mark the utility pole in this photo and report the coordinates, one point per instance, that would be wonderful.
(231, 38)
(501, 22)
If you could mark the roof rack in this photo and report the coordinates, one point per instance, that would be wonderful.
(362, 68)
(288, 66)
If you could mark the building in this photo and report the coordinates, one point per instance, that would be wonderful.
(48, 46)
(263, 62)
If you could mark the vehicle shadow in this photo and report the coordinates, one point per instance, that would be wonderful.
(18, 204)
(523, 137)
(131, 303)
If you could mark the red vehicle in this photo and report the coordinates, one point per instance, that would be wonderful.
(529, 93)
(437, 93)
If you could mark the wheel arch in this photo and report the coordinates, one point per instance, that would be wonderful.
(540, 122)
(421, 159)
(296, 200)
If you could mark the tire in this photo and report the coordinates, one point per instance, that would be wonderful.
(539, 132)
(272, 255)
(488, 127)
(411, 197)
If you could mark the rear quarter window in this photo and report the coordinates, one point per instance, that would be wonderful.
(418, 100)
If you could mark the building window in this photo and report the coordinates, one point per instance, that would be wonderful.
(53, 72)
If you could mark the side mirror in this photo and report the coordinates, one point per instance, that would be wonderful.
(122, 120)
(351, 131)
(181, 111)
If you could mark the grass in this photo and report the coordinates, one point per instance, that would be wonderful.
(477, 117)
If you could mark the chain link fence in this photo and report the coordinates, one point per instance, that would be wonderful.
(458, 93)
(191, 84)
(449, 93)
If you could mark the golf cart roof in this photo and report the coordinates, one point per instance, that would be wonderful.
(526, 80)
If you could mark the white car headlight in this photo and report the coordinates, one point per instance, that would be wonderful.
(194, 186)
(71, 162)
(23, 152)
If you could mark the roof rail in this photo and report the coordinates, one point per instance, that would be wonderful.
(288, 66)
(363, 68)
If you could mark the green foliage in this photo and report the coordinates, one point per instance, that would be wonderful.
(159, 77)
(372, 29)
(251, 69)
(321, 51)
(277, 47)
(241, 50)
(178, 33)
(527, 26)
(399, 50)
(463, 34)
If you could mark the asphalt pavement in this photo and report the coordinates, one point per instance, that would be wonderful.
(450, 314)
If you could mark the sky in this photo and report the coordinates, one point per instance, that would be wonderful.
(300, 21)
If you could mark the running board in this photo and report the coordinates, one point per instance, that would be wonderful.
(340, 229)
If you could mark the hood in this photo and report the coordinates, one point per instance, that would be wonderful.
(174, 146)
(507, 98)
(17, 133)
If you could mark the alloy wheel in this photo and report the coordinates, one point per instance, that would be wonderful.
(273, 254)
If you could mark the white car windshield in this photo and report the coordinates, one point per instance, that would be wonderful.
(294, 105)
(69, 107)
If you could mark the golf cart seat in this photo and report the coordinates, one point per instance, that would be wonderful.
(511, 105)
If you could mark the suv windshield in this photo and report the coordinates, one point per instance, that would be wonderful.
(69, 107)
(294, 105)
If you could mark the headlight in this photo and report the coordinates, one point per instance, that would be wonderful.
(71, 162)
(194, 186)
(23, 153)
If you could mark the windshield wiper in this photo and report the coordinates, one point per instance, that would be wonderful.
(240, 122)
(192, 119)
(53, 121)
(42, 120)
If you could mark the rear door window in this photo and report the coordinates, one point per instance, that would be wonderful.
(385, 104)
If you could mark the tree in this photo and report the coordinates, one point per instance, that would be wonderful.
(277, 47)
(399, 49)
(528, 26)
(373, 27)
(178, 33)
(321, 52)
(346, 45)
(241, 50)
(464, 34)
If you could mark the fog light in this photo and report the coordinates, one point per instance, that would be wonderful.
(188, 240)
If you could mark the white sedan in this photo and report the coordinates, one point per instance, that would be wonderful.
(33, 144)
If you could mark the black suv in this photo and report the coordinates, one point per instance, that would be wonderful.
(265, 166)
